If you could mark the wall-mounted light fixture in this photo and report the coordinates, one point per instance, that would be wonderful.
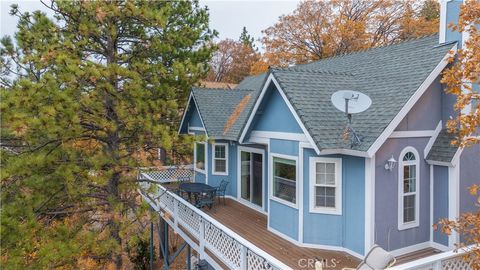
(390, 164)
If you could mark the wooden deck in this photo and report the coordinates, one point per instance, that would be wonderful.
(252, 226)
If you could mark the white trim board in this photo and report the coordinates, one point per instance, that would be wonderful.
(369, 203)
(269, 80)
(259, 135)
(432, 140)
(412, 134)
(410, 103)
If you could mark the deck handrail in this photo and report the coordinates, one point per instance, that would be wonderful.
(245, 244)
(442, 261)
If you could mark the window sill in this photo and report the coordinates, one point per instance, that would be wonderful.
(325, 211)
(284, 202)
(200, 171)
(220, 173)
(409, 225)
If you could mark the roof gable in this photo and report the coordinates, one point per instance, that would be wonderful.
(192, 121)
(273, 114)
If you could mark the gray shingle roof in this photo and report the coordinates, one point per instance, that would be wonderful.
(442, 149)
(216, 107)
(390, 75)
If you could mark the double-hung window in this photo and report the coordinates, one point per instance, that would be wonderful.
(326, 185)
(284, 180)
(220, 158)
(199, 156)
(408, 212)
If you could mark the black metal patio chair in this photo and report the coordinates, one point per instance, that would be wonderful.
(206, 199)
(221, 190)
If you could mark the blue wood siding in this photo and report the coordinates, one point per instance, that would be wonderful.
(191, 119)
(195, 120)
(214, 180)
(284, 147)
(274, 115)
(284, 219)
(387, 234)
(346, 230)
(200, 177)
(440, 201)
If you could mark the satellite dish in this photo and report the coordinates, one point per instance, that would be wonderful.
(349, 101)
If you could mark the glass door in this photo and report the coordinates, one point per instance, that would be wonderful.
(251, 178)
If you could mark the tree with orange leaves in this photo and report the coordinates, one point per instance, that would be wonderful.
(319, 29)
(462, 79)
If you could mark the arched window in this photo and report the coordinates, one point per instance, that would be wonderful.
(408, 188)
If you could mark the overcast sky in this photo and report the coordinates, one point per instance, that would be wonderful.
(227, 17)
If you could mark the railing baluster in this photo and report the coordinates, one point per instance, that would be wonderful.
(201, 238)
(437, 265)
(175, 213)
(243, 258)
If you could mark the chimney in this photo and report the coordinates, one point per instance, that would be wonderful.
(449, 13)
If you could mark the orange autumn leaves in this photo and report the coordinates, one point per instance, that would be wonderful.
(463, 77)
(320, 29)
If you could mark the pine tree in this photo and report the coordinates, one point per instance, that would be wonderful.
(246, 39)
(86, 95)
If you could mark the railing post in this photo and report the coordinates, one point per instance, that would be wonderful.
(437, 265)
(243, 257)
(201, 239)
(175, 212)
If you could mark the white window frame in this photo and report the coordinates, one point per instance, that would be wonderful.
(412, 224)
(204, 171)
(338, 186)
(270, 178)
(214, 158)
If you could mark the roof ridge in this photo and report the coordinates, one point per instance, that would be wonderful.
(399, 42)
(319, 71)
(222, 89)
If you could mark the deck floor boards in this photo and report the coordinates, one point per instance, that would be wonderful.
(252, 226)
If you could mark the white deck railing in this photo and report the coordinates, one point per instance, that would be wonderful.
(167, 174)
(232, 249)
(449, 260)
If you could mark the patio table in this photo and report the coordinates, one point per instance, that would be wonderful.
(195, 189)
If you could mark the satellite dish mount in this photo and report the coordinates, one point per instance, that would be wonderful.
(351, 102)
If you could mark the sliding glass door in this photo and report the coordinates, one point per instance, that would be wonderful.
(251, 178)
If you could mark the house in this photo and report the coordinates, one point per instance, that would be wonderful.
(280, 143)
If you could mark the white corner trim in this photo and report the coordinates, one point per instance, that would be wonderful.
(300, 193)
(338, 186)
(259, 135)
(431, 202)
(410, 103)
(412, 134)
(432, 140)
(269, 80)
(443, 21)
(369, 203)
(270, 180)
(401, 163)
(453, 200)
(204, 171)
(226, 159)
